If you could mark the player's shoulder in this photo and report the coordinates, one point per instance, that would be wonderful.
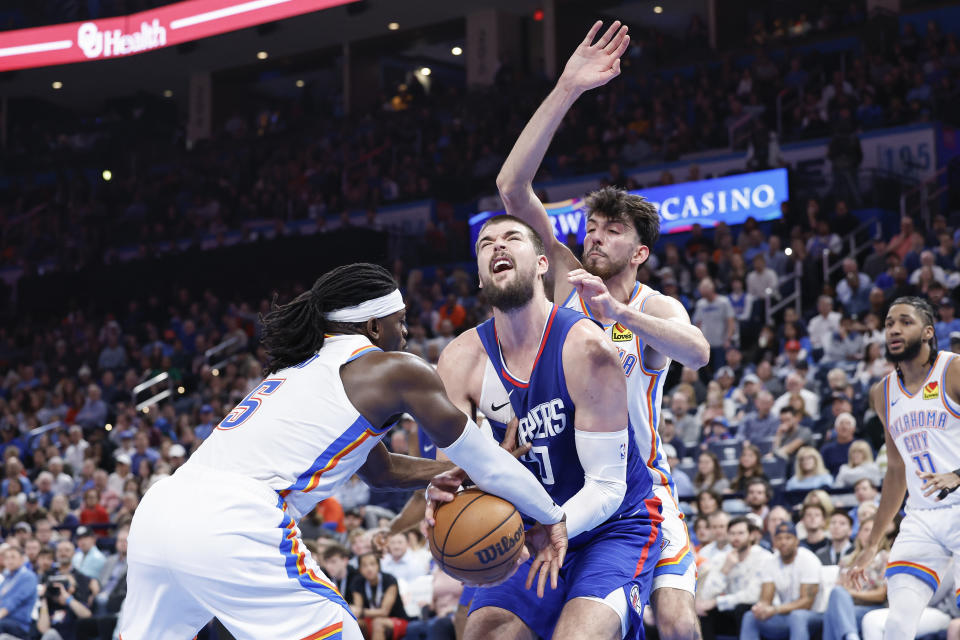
(395, 365)
(586, 342)
(462, 354)
(878, 390)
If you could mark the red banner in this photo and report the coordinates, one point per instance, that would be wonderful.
(144, 31)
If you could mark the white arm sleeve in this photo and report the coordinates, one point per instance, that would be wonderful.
(496, 471)
(603, 456)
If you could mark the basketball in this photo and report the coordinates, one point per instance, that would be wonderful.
(477, 537)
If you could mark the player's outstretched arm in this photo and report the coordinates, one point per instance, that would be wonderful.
(598, 389)
(590, 66)
(891, 493)
(663, 325)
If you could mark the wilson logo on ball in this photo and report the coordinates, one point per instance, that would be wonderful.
(494, 551)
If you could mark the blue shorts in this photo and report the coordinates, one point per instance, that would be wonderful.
(466, 596)
(620, 555)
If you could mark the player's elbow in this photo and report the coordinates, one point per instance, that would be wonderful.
(701, 353)
(510, 187)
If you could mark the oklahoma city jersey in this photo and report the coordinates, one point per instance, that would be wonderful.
(644, 387)
(297, 431)
(547, 417)
(926, 429)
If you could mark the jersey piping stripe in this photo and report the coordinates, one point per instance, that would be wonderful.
(947, 404)
(886, 400)
(652, 414)
(925, 574)
(296, 565)
(925, 378)
(543, 343)
(327, 633)
(350, 439)
(362, 351)
(677, 559)
(653, 508)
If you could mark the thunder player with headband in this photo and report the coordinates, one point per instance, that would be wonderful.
(648, 329)
(219, 538)
(557, 373)
(919, 406)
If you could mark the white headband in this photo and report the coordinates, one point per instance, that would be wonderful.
(376, 308)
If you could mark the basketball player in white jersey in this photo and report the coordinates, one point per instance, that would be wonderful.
(220, 539)
(648, 329)
(919, 406)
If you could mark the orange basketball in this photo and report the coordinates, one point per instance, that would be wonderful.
(477, 537)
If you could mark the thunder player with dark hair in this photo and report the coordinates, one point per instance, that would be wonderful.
(919, 406)
(555, 371)
(648, 329)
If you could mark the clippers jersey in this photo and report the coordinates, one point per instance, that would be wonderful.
(547, 417)
(926, 429)
(644, 386)
(297, 431)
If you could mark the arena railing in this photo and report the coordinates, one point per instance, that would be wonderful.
(150, 383)
(854, 248)
(225, 347)
(924, 199)
(771, 308)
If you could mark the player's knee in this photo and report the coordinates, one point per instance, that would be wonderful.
(676, 615)
(679, 627)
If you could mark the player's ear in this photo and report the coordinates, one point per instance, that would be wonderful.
(373, 329)
(641, 254)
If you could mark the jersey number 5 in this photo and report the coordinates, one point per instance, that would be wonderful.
(242, 412)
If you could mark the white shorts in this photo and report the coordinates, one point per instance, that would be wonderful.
(204, 544)
(928, 539)
(676, 568)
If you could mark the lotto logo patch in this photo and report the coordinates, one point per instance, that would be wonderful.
(635, 600)
(931, 390)
(621, 334)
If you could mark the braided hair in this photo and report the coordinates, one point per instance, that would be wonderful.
(928, 316)
(294, 331)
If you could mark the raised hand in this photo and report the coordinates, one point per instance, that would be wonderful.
(594, 64)
(593, 291)
(443, 488)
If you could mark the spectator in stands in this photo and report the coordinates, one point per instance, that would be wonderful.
(687, 427)
(824, 323)
(445, 600)
(336, 565)
(848, 604)
(88, 559)
(107, 602)
(401, 562)
(680, 478)
(948, 322)
(143, 452)
(94, 411)
(835, 453)
(809, 471)
(715, 317)
(18, 595)
(718, 546)
(707, 502)
(843, 347)
(749, 466)
(859, 466)
(709, 476)
(762, 278)
(93, 513)
(793, 579)
(758, 496)
(814, 521)
(903, 242)
(63, 519)
(795, 385)
(715, 430)
(668, 433)
(790, 435)
(733, 586)
(202, 431)
(840, 530)
(760, 424)
(73, 455)
(377, 597)
(853, 291)
(873, 366)
(768, 380)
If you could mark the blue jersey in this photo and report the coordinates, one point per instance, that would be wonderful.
(425, 444)
(546, 417)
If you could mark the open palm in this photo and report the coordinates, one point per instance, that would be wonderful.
(594, 64)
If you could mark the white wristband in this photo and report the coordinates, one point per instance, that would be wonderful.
(496, 471)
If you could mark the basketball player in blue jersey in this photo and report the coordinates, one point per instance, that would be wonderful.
(919, 406)
(219, 538)
(649, 330)
(557, 374)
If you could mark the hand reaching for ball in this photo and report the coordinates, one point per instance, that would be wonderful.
(443, 488)
(549, 542)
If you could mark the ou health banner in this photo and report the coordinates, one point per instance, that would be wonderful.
(144, 31)
(731, 200)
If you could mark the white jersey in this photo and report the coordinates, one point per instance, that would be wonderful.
(925, 427)
(297, 431)
(644, 386)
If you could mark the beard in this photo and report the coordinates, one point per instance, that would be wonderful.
(910, 351)
(607, 269)
(511, 295)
